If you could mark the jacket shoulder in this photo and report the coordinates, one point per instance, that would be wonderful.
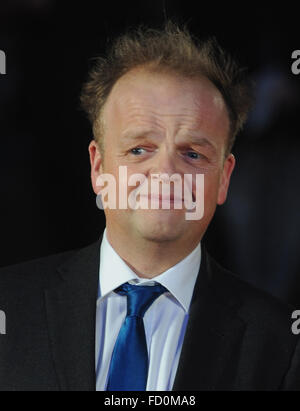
(40, 271)
(256, 306)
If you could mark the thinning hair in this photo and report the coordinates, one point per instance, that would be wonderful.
(174, 50)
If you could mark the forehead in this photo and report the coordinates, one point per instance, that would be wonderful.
(143, 97)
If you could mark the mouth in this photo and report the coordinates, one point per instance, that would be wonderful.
(171, 198)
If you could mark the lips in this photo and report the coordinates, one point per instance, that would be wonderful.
(163, 198)
(166, 198)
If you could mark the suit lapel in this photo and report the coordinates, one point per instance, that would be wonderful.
(71, 314)
(213, 335)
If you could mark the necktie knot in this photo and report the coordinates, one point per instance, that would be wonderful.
(140, 297)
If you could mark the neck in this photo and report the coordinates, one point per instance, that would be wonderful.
(149, 259)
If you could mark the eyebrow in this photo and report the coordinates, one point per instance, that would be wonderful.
(194, 138)
(136, 134)
(201, 141)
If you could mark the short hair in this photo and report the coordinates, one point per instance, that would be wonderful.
(171, 49)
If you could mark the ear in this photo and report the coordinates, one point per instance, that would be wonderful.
(228, 167)
(96, 164)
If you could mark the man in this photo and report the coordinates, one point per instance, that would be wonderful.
(146, 307)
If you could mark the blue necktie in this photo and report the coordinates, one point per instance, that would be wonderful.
(129, 363)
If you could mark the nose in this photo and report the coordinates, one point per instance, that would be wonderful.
(164, 162)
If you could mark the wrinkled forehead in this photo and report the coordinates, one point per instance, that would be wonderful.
(142, 95)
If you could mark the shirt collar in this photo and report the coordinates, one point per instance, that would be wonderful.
(179, 280)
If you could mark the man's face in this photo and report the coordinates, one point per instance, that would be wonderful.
(160, 123)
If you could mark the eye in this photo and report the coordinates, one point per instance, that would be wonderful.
(193, 155)
(136, 151)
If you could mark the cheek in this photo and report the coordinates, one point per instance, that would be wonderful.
(211, 189)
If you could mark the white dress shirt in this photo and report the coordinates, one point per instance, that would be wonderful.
(165, 321)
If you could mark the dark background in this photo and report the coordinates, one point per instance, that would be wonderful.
(47, 204)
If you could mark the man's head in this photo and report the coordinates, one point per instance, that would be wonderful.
(162, 103)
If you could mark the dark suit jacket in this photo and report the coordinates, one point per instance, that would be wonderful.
(237, 337)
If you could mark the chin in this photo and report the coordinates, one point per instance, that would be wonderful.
(160, 227)
(159, 237)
